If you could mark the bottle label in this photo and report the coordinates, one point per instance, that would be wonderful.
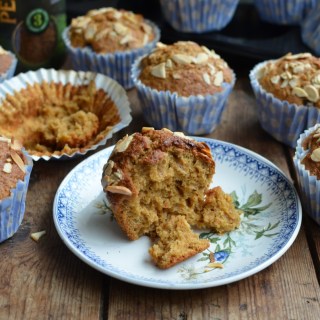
(33, 31)
(37, 20)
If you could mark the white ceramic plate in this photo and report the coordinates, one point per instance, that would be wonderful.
(269, 225)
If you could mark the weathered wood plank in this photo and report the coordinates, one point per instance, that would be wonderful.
(288, 289)
(45, 280)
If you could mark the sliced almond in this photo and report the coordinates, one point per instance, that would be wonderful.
(200, 58)
(284, 83)
(215, 265)
(109, 167)
(119, 189)
(146, 129)
(299, 92)
(206, 78)
(316, 79)
(294, 82)
(120, 29)
(290, 56)
(90, 32)
(4, 139)
(101, 34)
(7, 168)
(37, 235)
(160, 45)
(146, 28)
(145, 39)
(315, 155)
(212, 69)
(16, 158)
(298, 68)
(80, 22)
(179, 134)
(275, 79)
(15, 145)
(176, 76)
(127, 38)
(312, 93)
(123, 144)
(169, 63)
(182, 58)
(159, 71)
(218, 79)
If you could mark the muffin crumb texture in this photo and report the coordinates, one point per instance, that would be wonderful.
(185, 68)
(165, 178)
(311, 160)
(107, 30)
(293, 78)
(52, 118)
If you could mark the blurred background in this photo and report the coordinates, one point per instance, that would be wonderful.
(245, 41)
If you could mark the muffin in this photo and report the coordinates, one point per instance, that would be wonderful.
(16, 166)
(60, 114)
(310, 30)
(287, 93)
(183, 87)
(198, 16)
(108, 40)
(307, 164)
(8, 63)
(155, 175)
(284, 12)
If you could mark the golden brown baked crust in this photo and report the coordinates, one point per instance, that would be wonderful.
(153, 175)
(52, 118)
(12, 163)
(293, 78)
(185, 68)
(108, 30)
(312, 159)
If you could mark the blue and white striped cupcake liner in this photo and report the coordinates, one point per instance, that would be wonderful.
(115, 65)
(194, 115)
(12, 208)
(309, 185)
(198, 16)
(310, 30)
(10, 72)
(284, 12)
(283, 120)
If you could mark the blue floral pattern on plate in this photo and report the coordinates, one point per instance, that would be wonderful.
(270, 223)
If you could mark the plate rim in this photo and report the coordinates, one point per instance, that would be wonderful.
(187, 285)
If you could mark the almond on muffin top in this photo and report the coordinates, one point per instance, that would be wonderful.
(107, 30)
(312, 158)
(185, 68)
(294, 78)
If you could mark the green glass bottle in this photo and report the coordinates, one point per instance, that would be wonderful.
(33, 31)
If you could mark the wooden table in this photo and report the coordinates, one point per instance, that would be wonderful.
(44, 280)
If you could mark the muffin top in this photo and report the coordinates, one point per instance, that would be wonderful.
(12, 163)
(293, 78)
(107, 30)
(185, 68)
(312, 159)
(5, 60)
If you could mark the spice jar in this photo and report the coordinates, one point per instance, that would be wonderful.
(32, 30)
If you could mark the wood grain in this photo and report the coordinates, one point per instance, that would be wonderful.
(45, 280)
